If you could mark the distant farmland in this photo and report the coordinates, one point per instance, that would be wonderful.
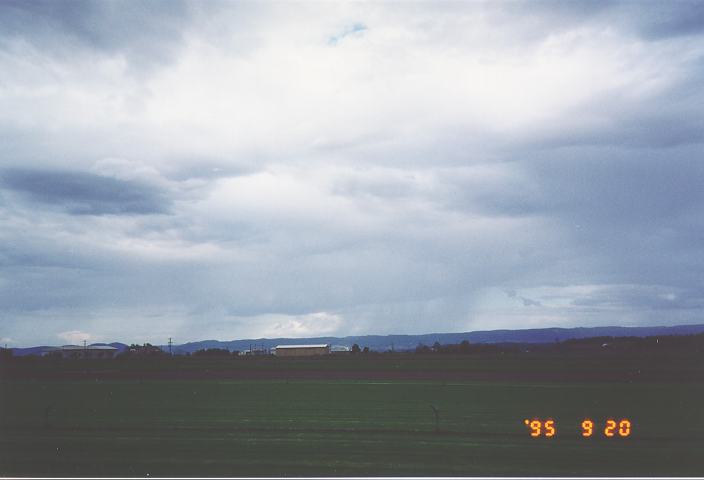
(353, 415)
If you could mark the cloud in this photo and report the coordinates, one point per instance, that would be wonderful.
(74, 336)
(527, 302)
(653, 297)
(146, 34)
(319, 323)
(673, 20)
(80, 193)
(235, 169)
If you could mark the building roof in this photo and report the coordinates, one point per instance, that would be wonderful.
(319, 345)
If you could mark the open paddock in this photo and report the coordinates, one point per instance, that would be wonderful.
(132, 426)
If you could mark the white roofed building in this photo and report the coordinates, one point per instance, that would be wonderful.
(302, 350)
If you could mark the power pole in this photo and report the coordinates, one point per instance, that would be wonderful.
(170, 342)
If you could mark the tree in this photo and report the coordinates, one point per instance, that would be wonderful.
(437, 347)
(355, 348)
(365, 350)
(5, 353)
(146, 350)
(212, 352)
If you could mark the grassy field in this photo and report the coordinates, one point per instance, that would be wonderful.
(101, 426)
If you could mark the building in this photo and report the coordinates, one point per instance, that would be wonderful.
(301, 350)
(77, 351)
(255, 352)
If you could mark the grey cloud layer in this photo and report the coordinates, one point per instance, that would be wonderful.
(82, 193)
(145, 32)
(226, 170)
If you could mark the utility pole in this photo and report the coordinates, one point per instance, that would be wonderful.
(170, 342)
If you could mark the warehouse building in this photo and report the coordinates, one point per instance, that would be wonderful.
(301, 350)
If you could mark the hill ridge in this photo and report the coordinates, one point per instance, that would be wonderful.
(410, 341)
(402, 342)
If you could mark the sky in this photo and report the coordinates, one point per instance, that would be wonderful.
(229, 170)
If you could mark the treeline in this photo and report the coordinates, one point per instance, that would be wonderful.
(660, 342)
(149, 350)
(464, 347)
(653, 343)
(215, 352)
(671, 343)
(144, 350)
(355, 349)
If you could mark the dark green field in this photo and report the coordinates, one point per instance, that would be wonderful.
(352, 416)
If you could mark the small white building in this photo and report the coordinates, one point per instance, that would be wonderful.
(340, 349)
(255, 352)
(301, 350)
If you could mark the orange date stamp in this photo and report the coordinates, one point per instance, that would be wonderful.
(611, 427)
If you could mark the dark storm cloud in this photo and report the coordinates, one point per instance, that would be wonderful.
(558, 12)
(82, 193)
(641, 296)
(633, 219)
(652, 20)
(607, 187)
(669, 19)
(591, 186)
(549, 148)
(145, 32)
(671, 119)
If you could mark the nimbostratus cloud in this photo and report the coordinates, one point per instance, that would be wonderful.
(83, 193)
(230, 170)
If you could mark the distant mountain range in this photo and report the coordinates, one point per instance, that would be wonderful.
(410, 342)
(38, 350)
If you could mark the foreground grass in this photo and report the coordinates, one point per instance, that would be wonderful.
(226, 428)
